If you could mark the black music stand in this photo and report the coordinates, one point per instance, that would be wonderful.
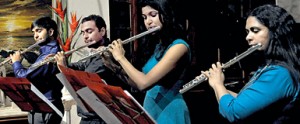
(26, 96)
(111, 103)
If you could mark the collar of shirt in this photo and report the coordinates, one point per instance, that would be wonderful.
(46, 48)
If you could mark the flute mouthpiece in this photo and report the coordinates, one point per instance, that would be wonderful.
(93, 42)
(259, 44)
(41, 41)
(156, 28)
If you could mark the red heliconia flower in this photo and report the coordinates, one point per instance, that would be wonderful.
(74, 23)
(65, 37)
(58, 10)
(67, 45)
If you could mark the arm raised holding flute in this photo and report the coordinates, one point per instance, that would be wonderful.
(272, 93)
(93, 28)
(8, 60)
(43, 78)
(167, 56)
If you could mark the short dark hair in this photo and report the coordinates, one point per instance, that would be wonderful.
(46, 22)
(99, 21)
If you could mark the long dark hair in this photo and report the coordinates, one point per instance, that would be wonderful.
(283, 48)
(173, 27)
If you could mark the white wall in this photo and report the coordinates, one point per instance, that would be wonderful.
(84, 8)
(292, 6)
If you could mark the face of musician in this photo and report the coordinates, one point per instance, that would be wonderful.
(90, 32)
(40, 33)
(257, 33)
(151, 17)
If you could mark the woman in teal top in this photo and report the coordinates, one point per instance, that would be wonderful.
(166, 108)
(167, 56)
(271, 95)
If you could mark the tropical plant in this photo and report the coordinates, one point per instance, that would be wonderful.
(65, 38)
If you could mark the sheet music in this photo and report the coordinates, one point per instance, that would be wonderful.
(69, 87)
(98, 106)
(127, 93)
(117, 108)
(38, 93)
(110, 102)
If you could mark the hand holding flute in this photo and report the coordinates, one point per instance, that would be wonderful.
(203, 77)
(125, 41)
(117, 53)
(60, 58)
(215, 75)
(52, 59)
(17, 55)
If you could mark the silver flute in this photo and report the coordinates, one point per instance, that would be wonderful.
(202, 77)
(124, 41)
(52, 59)
(22, 52)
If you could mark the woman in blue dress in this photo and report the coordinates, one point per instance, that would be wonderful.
(271, 95)
(168, 56)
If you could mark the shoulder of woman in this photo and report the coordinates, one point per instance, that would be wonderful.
(277, 69)
(180, 41)
(176, 41)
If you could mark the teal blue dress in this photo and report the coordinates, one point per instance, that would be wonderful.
(270, 97)
(163, 101)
